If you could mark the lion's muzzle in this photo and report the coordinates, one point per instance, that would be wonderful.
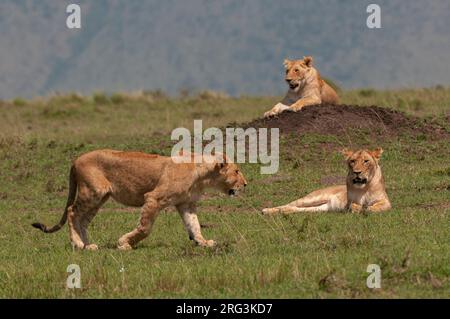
(233, 191)
(293, 84)
(359, 181)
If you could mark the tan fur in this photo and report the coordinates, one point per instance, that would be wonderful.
(354, 196)
(149, 181)
(305, 87)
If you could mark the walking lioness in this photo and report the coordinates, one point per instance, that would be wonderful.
(305, 87)
(365, 189)
(149, 181)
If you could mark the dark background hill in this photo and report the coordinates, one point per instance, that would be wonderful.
(230, 45)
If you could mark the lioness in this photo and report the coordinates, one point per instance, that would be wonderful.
(305, 87)
(137, 179)
(365, 189)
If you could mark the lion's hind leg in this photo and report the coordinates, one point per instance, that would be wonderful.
(86, 219)
(289, 209)
(73, 221)
(92, 194)
(286, 209)
(313, 202)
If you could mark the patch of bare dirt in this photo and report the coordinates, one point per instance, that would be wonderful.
(343, 119)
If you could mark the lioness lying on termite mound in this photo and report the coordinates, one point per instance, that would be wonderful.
(149, 181)
(305, 87)
(365, 189)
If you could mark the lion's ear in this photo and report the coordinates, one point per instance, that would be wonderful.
(222, 161)
(219, 166)
(287, 63)
(347, 153)
(308, 61)
(376, 153)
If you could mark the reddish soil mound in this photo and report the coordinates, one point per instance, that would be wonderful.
(345, 119)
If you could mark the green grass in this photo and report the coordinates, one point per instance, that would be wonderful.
(321, 255)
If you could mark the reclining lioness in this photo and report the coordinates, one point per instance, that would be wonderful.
(365, 189)
(149, 181)
(305, 87)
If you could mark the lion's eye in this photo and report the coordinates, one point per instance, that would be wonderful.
(297, 70)
(352, 162)
(366, 161)
(237, 171)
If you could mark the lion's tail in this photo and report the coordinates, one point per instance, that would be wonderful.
(70, 201)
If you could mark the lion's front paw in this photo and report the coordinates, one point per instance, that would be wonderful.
(124, 244)
(356, 208)
(91, 247)
(211, 243)
(269, 114)
(277, 109)
(269, 211)
(207, 243)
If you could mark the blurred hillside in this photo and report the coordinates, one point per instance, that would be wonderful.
(231, 46)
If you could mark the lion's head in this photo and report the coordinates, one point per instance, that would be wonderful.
(219, 170)
(230, 179)
(297, 71)
(362, 166)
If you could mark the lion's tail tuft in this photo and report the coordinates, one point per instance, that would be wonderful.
(40, 226)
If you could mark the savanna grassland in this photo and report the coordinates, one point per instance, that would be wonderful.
(314, 255)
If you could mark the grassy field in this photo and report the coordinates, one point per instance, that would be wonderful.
(320, 255)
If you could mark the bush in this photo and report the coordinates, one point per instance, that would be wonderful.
(155, 94)
(117, 98)
(367, 92)
(19, 102)
(212, 95)
(100, 98)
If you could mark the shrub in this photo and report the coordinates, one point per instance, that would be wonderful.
(19, 102)
(367, 92)
(117, 98)
(212, 95)
(100, 98)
